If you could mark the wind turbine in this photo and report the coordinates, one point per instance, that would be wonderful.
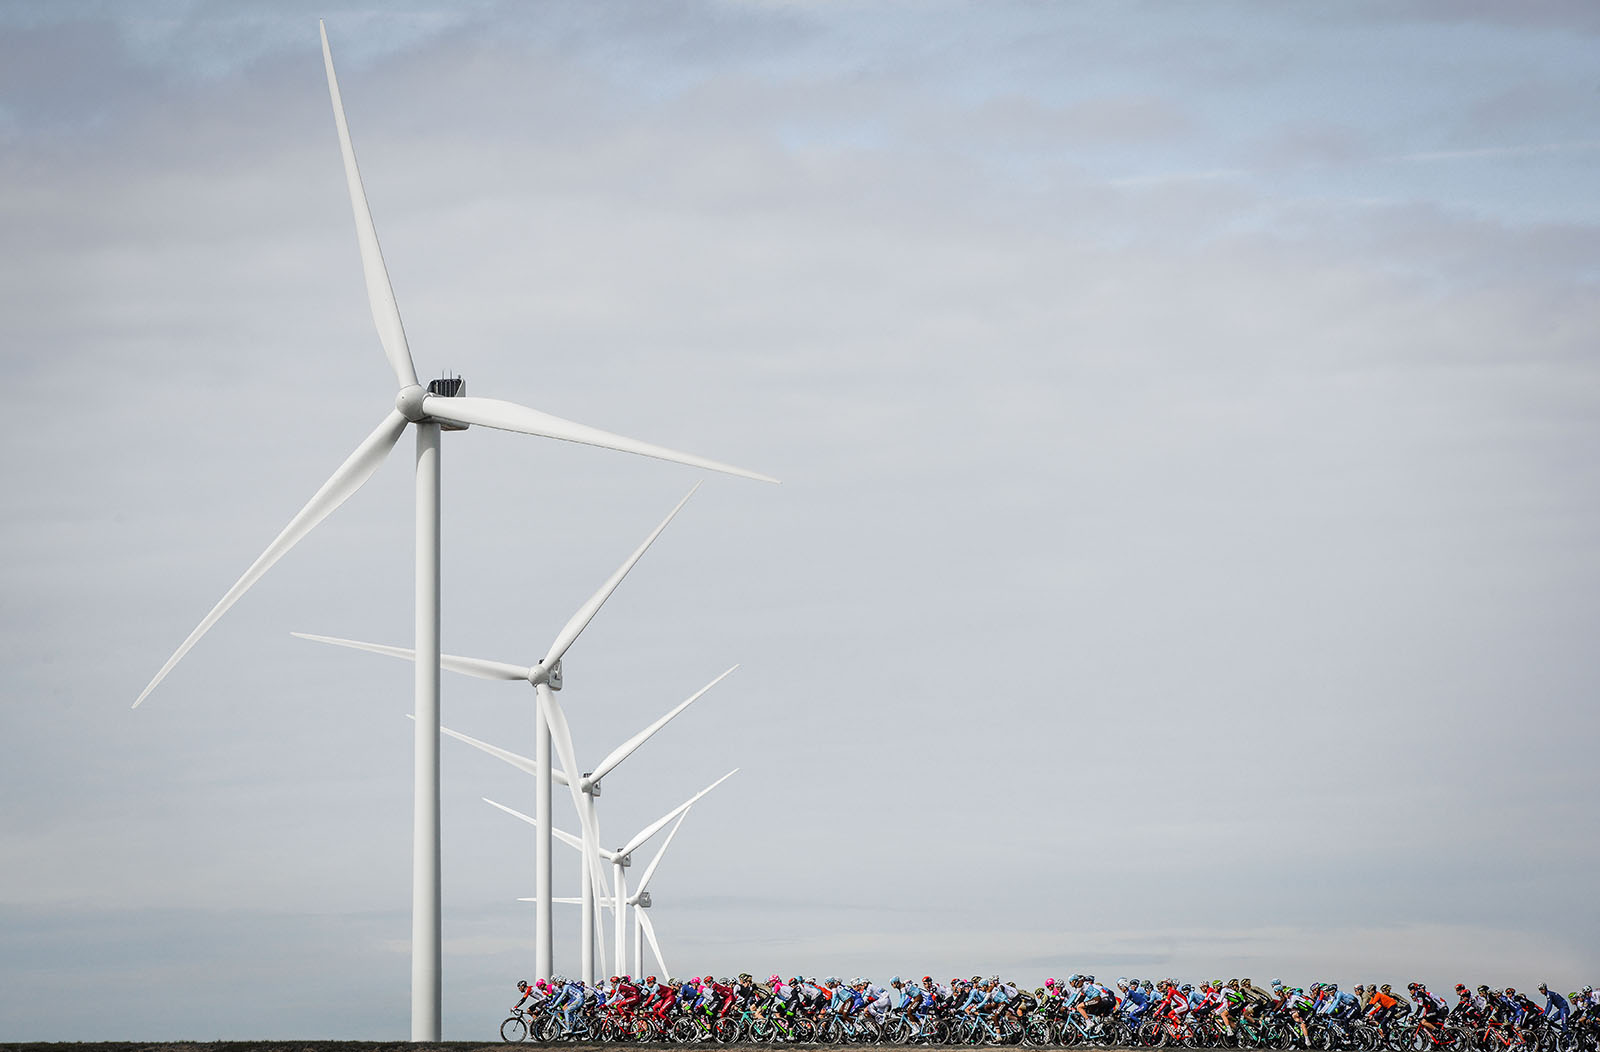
(640, 900)
(620, 858)
(589, 784)
(550, 727)
(441, 406)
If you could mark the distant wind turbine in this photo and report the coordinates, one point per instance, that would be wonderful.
(620, 858)
(550, 725)
(589, 784)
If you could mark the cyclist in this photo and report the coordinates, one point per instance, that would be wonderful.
(1337, 1005)
(625, 996)
(976, 997)
(1299, 1007)
(1232, 1006)
(1001, 997)
(1431, 1009)
(1471, 1006)
(1523, 1006)
(1023, 1001)
(1383, 1006)
(1556, 1008)
(749, 994)
(569, 999)
(1173, 1005)
(815, 996)
(1202, 1002)
(529, 993)
(875, 1000)
(1134, 1002)
(660, 997)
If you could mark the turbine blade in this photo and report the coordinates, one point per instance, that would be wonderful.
(508, 416)
(560, 834)
(561, 738)
(467, 666)
(650, 936)
(650, 870)
(380, 295)
(517, 760)
(575, 902)
(655, 827)
(350, 476)
(580, 620)
(627, 748)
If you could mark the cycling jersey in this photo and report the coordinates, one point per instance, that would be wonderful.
(1555, 1006)
(1340, 1004)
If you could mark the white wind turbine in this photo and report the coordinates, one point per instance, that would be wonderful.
(640, 899)
(442, 406)
(550, 726)
(589, 784)
(620, 858)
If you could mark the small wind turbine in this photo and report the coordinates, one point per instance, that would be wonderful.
(441, 406)
(640, 900)
(621, 857)
(550, 726)
(589, 784)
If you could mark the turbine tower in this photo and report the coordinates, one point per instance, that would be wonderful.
(550, 727)
(441, 406)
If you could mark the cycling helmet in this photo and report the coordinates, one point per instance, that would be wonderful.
(1511, 991)
(522, 984)
(650, 979)
(927, 978)
(896, 981)
(1276, 984)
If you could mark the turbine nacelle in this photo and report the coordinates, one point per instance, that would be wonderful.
(550, 677)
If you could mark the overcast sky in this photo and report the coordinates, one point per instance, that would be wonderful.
(1185, 564)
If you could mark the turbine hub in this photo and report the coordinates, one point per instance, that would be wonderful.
(409, 402)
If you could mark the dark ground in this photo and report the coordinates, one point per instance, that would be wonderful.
(329, 1046)
(307, 1046)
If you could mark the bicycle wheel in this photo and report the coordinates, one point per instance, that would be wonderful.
(514, 1029)
(1036, 1032)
